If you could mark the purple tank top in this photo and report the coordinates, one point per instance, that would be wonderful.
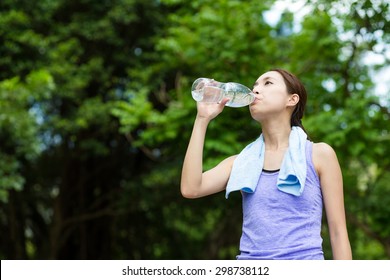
(277, 225)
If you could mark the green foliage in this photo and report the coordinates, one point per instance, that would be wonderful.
(96, 114)
(19, 125)
(210, 37)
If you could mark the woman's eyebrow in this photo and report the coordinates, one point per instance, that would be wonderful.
(268, 78)
(263, 79)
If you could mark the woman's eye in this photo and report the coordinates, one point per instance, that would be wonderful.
(267, 83)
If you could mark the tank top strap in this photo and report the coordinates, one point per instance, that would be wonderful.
(312, 173)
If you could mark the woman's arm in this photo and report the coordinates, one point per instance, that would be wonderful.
(194, 182)
(329, 171)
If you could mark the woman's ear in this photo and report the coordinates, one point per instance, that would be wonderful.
(293, 99)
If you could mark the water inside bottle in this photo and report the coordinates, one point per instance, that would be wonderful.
(239, 95)
(239, 100)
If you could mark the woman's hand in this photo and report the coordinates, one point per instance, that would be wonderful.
(209, 111)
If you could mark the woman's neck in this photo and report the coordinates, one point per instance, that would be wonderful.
(276, 136)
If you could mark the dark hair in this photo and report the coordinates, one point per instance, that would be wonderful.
(294, 85)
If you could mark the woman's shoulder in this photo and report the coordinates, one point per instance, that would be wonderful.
(323, 154)
(322, 148)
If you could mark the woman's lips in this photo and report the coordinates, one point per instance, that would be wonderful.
(255, 101)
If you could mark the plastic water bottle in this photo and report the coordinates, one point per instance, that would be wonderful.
(211, 91)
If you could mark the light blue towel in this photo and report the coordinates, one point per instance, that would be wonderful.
(248, 166)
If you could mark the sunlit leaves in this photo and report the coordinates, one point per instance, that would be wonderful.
(19, 125)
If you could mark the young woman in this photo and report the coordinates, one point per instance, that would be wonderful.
(278, 222)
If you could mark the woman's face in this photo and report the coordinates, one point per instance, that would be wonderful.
(271, 96)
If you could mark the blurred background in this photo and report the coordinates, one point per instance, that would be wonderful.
(96, 113)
